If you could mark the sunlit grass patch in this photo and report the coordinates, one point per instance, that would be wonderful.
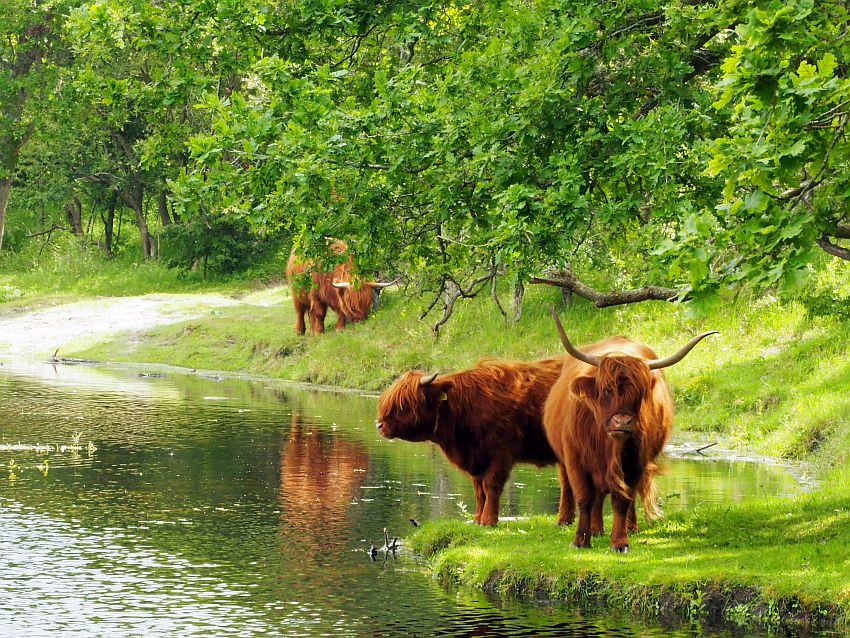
(768, 551)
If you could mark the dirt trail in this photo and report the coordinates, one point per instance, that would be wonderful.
(35, 335)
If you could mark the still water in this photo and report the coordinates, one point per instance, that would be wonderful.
(184, 506)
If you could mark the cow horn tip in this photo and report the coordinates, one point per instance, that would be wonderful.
(428, 380)
(384, 284)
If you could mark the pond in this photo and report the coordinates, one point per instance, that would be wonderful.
(134, 504)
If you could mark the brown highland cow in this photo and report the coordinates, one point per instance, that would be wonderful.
(330, 289)
(484, 419)
(608, 418)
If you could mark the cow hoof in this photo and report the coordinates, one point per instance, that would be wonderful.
(621, 550)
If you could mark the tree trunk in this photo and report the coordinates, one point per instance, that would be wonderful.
(162, 205)
(516, 303)
(144, 233)
(5, 190)
(134, 198)
(74, 215)
(109, 225)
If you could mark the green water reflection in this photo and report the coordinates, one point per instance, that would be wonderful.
(246, 508)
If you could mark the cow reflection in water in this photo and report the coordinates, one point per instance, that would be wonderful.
(320, 475)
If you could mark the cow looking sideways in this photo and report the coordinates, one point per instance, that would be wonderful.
(331, 288)
(484, 419)
(608, 418)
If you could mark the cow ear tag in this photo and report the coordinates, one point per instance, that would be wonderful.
(444, 396)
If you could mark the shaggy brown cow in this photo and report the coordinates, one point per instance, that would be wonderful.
(330, 289)
(607, 419)
(484, 419)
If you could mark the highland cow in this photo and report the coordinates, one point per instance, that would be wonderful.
(484, 419)
(331, 288)
(607, 419)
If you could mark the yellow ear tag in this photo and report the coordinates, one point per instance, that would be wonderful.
(444, 396)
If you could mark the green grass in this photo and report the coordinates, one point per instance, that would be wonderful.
(766, 561)
(67, 270)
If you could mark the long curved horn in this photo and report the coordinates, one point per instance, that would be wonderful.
(592, 359)
(428, 380)
(371, 284)
(657, 364)
(381, 284)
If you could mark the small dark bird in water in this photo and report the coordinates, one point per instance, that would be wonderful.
(373, 551)
(414, 522)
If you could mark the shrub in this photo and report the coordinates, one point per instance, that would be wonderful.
(215, 244)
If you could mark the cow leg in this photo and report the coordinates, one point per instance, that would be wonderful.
(585, 495)
(479, 499)
(318, 310)
(300, 309)
(566, 506)
(621, 506)
(597, 528)
(493, 484)
(340, 320)
(631, 519)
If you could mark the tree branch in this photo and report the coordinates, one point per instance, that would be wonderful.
(48, 231)
(567, 279)
(833, 249)
(457, 293)
(842, 230)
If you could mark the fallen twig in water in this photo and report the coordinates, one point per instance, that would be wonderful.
(705, 447)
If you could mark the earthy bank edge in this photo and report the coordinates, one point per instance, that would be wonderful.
(456, 557)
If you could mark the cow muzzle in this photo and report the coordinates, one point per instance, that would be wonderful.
(383, 429)
(621, 426)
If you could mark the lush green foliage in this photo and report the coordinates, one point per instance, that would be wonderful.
(466, 139)
(784, 158)
(217, 245)
(696, 144)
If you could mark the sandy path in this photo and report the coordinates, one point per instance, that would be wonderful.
(35, 335)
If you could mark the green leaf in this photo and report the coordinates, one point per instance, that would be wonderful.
(827, 64)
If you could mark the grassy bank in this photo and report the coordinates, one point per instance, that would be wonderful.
(67, 270)
(774, 564)
(775, 382)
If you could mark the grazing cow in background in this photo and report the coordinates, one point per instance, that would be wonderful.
(608, 418)
(330, 289)
(484, 419)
